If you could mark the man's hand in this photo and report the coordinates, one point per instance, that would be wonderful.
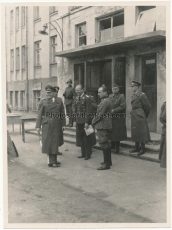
(38, 130)
(86, 125)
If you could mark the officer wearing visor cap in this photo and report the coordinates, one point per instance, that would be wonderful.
(52, 119)
(139, 114)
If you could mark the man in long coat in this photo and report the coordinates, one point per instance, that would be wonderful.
(103, 123)
(51, 117)
(82, 108)
(162, 152)
(69, 95)
(139, 114)
(118, 132)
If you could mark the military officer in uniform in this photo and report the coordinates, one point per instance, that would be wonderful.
(82, 109)
(162, 152)
(51, 117)
(139, 114)
(103, 123)
(69, 95)
(118, 132)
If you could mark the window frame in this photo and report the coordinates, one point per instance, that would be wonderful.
(12, 60)
(23, 11)
(17, 58)
(36, 13)
(138, 20)
(52, 51)
(37, 53)
(23, 57)
(11, 21)
(78, 36)
(17, 18)
(112, 16)
(53, 9)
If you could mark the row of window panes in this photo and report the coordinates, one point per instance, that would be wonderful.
(36, 99)
(37, 54)
(23, 15)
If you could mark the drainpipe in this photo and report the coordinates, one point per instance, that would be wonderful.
(27, 83)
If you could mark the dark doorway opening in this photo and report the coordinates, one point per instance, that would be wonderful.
(149, 87)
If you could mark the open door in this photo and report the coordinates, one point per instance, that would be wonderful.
(119, 75)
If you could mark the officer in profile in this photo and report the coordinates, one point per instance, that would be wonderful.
(139, 114)
(82, 109)
(69, 95)
(103, 123)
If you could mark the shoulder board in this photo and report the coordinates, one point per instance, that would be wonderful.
(42, 99)
(86, 95)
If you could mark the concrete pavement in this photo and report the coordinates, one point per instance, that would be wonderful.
(132, 191)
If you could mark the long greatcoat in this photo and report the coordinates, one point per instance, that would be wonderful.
(140, 111)
(51, 118)
(162, 152)
(118, 131)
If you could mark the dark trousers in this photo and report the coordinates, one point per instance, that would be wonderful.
(51, 158)
(69, 113)
(115, 145)
(83, 140)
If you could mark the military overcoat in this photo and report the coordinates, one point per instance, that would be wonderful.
(51, 117)
(82, 110)
(118, 131)
(140, 112)
(69, 95)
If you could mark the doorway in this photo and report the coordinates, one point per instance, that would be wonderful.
(149, 87)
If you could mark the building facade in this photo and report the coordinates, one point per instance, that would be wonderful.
(92, 45)
(114, 44)
(31, 62)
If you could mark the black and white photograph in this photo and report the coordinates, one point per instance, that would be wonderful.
(84, 114)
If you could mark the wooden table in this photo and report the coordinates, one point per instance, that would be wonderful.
(14, 119)
(23, 121)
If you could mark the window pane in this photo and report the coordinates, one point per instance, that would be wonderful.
(82, 41)
(118, 20)
(82, 30)
(105, 24)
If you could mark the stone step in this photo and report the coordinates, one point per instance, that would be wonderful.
(149, 155)
(71, 132)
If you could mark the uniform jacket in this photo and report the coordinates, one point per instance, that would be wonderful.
(82, 108)
(140, 111)
(102, 119)
(119, 131)
(69, 95)
(51, 117)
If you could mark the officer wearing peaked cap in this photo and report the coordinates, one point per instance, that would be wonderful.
(139, 114)
(82, 108)
(52, 119)
(118, 132)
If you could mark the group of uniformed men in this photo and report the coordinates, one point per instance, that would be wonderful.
(109, 121)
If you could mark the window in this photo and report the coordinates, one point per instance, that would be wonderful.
(82, 38)
(37, 53)
(36, 13)
(17, 59)
(17, 18)
(16, 99)
(53, 9)
(146, 21)
(22, 99)
(23, 16)
(12, 60)
(12, 21)
(111, 27)
(53, 49)
(23, 57)
(11, 98)
(36, 99)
